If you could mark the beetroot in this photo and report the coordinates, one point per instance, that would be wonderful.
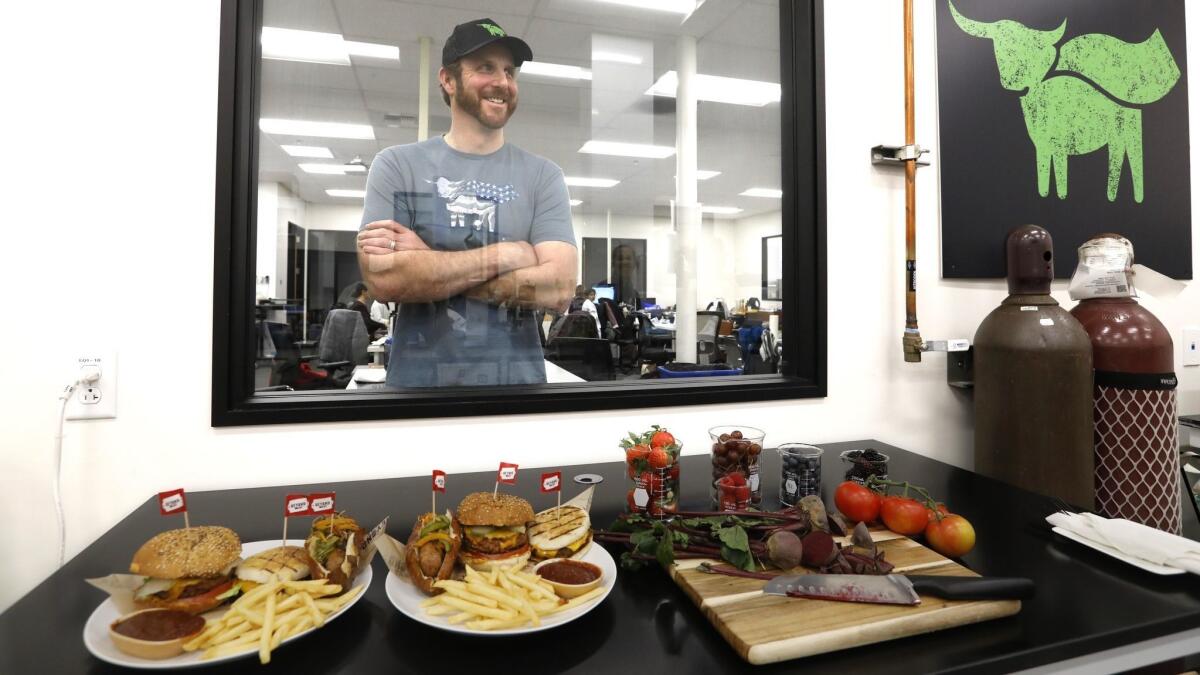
(819, 549)
(785, 550)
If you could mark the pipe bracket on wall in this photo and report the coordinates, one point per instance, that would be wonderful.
(897, 155)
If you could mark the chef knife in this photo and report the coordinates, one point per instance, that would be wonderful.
(898, 589)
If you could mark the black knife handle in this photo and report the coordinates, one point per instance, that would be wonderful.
(973, 588)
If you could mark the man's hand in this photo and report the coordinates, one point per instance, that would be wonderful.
(387, 236)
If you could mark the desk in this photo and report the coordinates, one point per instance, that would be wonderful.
(1086, 602)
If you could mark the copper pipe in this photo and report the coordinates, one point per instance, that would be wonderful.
(912, 336)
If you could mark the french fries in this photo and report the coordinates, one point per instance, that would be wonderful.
(500, 599)
(268, 615)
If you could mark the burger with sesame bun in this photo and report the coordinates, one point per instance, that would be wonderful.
(493, 530)
(187, 569)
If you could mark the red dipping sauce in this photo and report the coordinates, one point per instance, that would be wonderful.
(159, 625)
(569, 572)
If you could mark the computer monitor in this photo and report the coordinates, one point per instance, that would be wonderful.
(605, 292)
(648, 303)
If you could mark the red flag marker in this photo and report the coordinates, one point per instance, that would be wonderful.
(506, 474)
(293, 505)
(173, 502)
(439, 485)
(552, 482)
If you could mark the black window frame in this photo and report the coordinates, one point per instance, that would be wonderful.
(234, 401)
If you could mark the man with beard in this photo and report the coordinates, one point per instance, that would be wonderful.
(470, 234)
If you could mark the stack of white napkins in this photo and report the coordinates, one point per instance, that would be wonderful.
(1132, 539)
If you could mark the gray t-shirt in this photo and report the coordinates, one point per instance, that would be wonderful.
(457, 201)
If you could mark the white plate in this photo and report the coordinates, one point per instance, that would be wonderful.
(95, 632)
(1136, 562)
(408, 598)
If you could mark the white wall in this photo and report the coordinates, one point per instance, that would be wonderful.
(124, 235)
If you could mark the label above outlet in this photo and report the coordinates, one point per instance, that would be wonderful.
(93, 400)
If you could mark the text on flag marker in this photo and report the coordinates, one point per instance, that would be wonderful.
(296, 505)
(439, 480)
(172, 502)
(507, 473)
(320, 502)
(552, 482)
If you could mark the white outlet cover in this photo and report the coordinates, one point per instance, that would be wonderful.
(1191, 346)
(104, 390)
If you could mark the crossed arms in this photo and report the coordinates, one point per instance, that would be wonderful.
(538, 276)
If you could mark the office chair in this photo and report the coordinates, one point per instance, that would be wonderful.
(650, 348)
(588, 358)
(343, 345)
(707, 325)
(575, 324)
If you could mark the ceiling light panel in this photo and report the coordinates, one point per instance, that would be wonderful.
(285, 44)
(720, 210)
(576, 202)
(310, 151)
(627, 149)
(769, 193)
(582, 181)
(353, 194)
(721, 89)
(318, 129)
(672, 6)
(616, 57)
(543, 69)
(327, 169)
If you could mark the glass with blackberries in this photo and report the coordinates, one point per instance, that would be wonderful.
(736, 451)
(862, 464)
(652, 465)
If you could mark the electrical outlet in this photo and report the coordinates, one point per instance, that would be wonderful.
(93, 400)
(1191, 346)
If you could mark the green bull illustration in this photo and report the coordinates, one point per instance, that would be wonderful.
(1066, 114)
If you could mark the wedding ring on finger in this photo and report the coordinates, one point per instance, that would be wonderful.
(392, 244)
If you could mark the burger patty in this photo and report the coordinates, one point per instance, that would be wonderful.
(488, 545)
(203, 587)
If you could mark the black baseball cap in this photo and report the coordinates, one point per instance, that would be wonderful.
(472, 35)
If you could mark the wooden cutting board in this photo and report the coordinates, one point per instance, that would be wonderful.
(769, 628)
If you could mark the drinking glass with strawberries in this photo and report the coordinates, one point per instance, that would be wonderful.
(652, 464)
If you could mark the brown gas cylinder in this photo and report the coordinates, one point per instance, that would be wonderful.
(1136, 442)
(1033, 382)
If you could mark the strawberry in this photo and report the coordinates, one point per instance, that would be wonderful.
(661, 439)
(632, 505)
(673, 474)
(639, 451)
(735, 479)
(659, 459)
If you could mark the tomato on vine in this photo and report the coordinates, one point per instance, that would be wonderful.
(857, 502)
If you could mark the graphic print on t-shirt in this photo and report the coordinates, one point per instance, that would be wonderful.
(473, 203)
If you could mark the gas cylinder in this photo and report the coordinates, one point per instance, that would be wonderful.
(1033, 382)
(1136, 442)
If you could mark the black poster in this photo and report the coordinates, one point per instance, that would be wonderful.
(1069, 114)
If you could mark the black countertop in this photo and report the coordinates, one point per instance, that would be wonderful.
(1086, 602)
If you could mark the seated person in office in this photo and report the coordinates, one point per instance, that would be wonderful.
(470, 234)
(585, 301)
(355, 297)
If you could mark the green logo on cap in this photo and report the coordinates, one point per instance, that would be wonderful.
(492, 28)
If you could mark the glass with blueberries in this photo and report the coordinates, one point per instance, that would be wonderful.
(862, 464)
(801, 472)
(735, 458)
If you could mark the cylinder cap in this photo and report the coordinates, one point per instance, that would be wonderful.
(1030, 252)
